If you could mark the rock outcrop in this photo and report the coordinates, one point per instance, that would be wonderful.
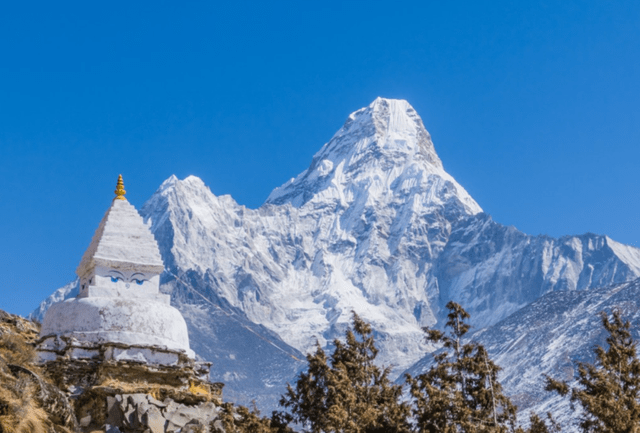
(143, 413)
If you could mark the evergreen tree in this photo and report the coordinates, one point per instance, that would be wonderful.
(347, 392)
(239, 419)
(539, 425)
(460, 392)
(609, 391)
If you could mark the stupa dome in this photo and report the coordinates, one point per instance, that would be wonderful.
(119, 306)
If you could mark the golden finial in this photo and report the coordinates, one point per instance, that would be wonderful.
(120, 192)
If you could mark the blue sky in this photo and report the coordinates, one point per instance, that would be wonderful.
(534, 107)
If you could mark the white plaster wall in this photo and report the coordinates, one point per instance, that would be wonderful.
(141, 354)
(109, 282)
(133, 321)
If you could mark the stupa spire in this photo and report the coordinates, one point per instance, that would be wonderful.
(120, 192)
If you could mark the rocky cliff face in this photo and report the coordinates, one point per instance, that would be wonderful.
(375, 225)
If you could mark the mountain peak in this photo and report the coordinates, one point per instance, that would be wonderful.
(393, 126)
(382, 151)
(380, 105)
(168, 183)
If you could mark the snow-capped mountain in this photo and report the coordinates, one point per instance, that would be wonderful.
(375, 225)
(327, 242)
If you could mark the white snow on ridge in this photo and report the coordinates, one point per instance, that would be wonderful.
(382, 149)
(626, 252)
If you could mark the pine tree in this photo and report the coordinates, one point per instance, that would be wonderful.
(609, 390)
(460, 392)
(539, 425)
(347, 392)
(239, 419)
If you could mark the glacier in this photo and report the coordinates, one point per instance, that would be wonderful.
(374, 225)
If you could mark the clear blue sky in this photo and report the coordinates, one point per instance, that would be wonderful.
(534, 107)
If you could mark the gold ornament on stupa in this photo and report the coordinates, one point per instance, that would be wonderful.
(120, 192)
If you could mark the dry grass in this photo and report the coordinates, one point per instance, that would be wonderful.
(21, 379)
(19, 409)
(132, 387)
(14, 350)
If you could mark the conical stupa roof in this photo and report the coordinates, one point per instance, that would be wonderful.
(122, 241)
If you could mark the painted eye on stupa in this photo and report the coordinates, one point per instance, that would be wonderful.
(114, 279)
(139, 282)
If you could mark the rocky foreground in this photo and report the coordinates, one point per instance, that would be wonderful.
(92, 395)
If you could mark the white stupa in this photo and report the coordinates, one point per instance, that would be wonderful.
(119, 313)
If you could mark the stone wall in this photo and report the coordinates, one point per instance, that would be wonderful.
(133, 396)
